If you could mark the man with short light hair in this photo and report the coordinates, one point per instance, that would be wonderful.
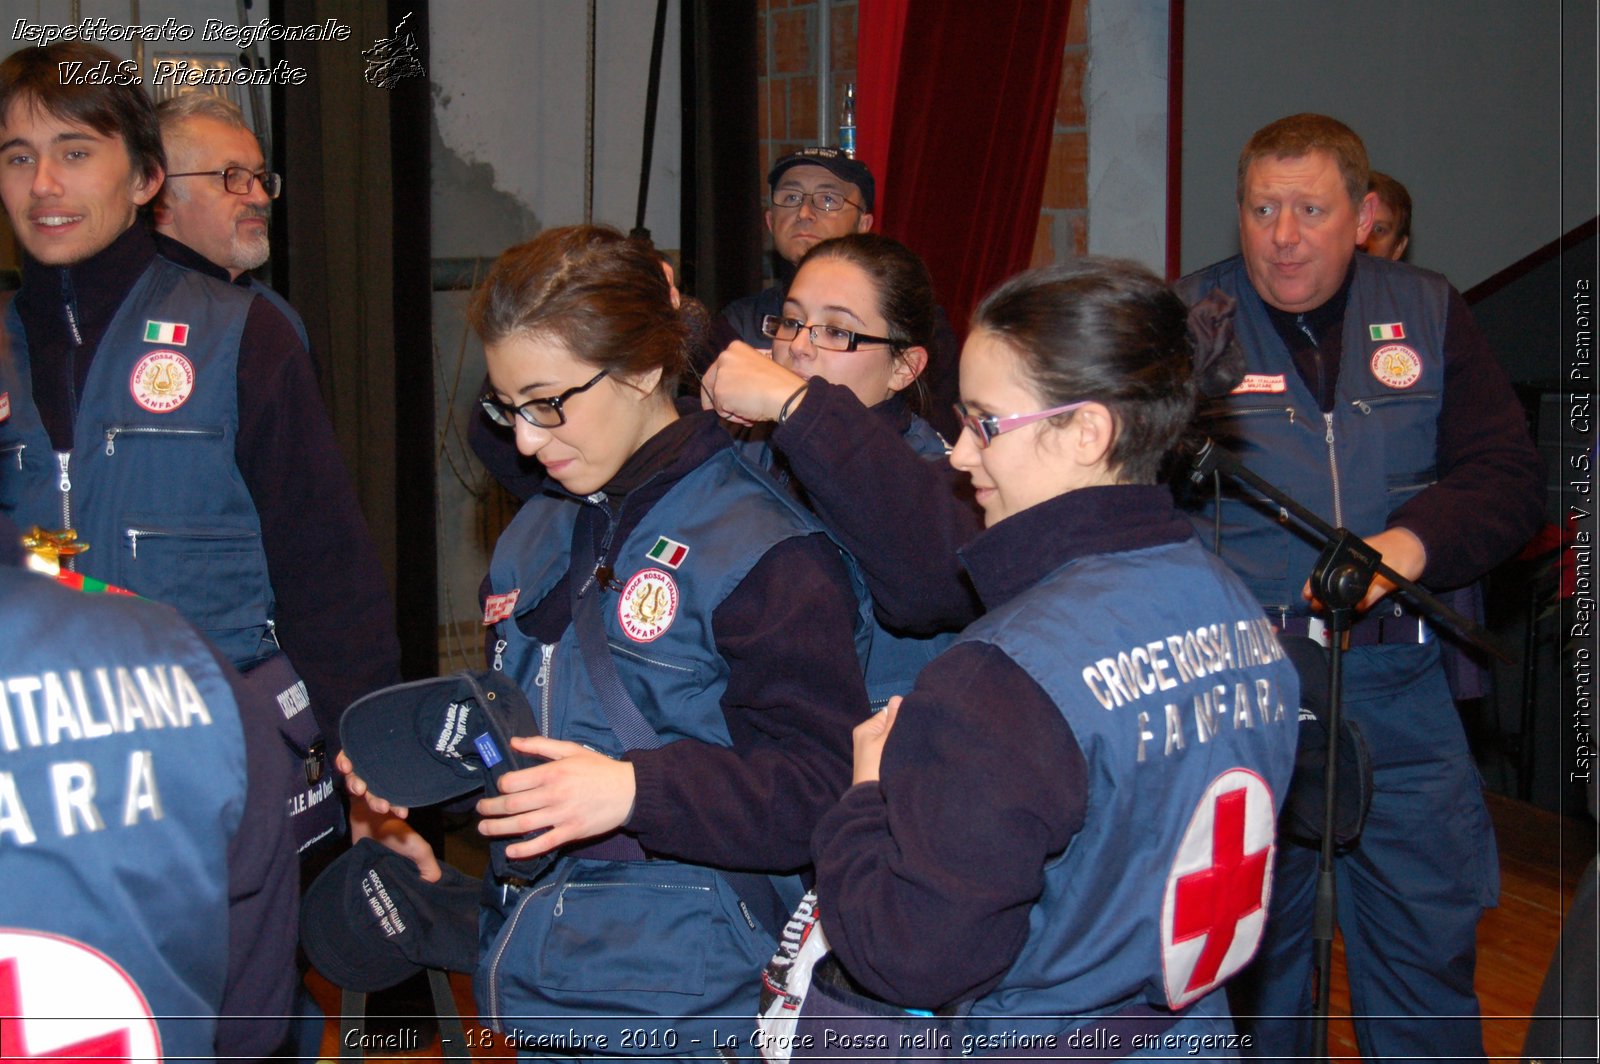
(1371, 395)
(217, 199)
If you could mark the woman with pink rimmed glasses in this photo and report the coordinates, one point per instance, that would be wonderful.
(1065, 831)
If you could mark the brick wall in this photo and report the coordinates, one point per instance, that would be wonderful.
(1064, 214)
(787, 65)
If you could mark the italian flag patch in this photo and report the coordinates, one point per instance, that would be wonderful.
(1392, 331)
(668, 552)
(166, 332)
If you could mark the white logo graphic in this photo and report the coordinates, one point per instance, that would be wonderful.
(1396, 365)
(70, 1001)
(648, 605)
(162, 381)
(1216, 898)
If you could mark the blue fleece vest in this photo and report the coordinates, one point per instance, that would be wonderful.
(895, 658)
(1354, 465)
(1186, 712)
(151, 483)
(122, 780)
(593, 941)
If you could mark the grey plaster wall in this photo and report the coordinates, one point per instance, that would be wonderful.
(1485, 109)
(1127, 102)
(508, 81)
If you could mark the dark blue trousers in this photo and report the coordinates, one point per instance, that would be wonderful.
(1409, 894)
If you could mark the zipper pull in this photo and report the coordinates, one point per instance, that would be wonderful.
(545, 653)
(499, 655)
(1328, 419)
(111, 442)
(62, 459)
(1363, 406)
(1291, 415)
(561, 900)
(133, 541)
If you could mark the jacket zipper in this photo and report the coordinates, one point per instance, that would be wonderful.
(542, 682)
(64, 460)
(1333, 468)
(506, 933)
(630, 653)
(149, 430)
(69, 303)
(561, 898)
(1366, 405)
(136, 534)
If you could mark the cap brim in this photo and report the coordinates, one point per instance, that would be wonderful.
(388, 736)
(331, 927)
(431, 741)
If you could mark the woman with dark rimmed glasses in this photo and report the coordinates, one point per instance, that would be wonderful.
(832, 409)
(1068, 826)
(687, 637)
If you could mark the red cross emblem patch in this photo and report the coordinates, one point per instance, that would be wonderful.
(1217, 892)
(62, 999)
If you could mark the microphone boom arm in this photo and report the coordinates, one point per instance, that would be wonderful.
(1214, 458)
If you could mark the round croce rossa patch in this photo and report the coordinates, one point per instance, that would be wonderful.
(1215, 904)
(1396, 365)
(648, 604)
(162, 381)
(63, 999)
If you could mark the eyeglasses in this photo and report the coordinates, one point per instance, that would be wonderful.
(547, 413)
(822, 201)
(986, 426)
(825, 337)
(240, 180)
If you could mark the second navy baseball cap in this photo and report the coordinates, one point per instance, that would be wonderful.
(834, 161)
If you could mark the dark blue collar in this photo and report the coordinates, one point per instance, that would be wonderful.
(1017, 553)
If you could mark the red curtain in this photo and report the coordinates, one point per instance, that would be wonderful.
(955, 109)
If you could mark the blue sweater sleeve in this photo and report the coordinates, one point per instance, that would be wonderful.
(925, 879)
(334, 612)
(263, 891)
(901, 517)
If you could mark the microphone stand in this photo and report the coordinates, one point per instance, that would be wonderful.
(1339, 580)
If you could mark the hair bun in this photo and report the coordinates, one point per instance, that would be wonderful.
(1218, 358)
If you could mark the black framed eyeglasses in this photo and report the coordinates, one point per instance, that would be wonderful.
(239, 180)
(987, 426)
(546, 413)
(825, 337)
(791, 198)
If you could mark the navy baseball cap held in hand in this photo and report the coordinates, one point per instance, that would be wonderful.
(836, 163)
(431, 741)
(434, 740)
(370, 920)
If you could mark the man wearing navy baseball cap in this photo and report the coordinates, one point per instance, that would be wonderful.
(817, 194)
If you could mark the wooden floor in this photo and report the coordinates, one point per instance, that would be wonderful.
(1541, 858)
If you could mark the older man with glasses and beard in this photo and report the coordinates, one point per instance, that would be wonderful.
(213, 210)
